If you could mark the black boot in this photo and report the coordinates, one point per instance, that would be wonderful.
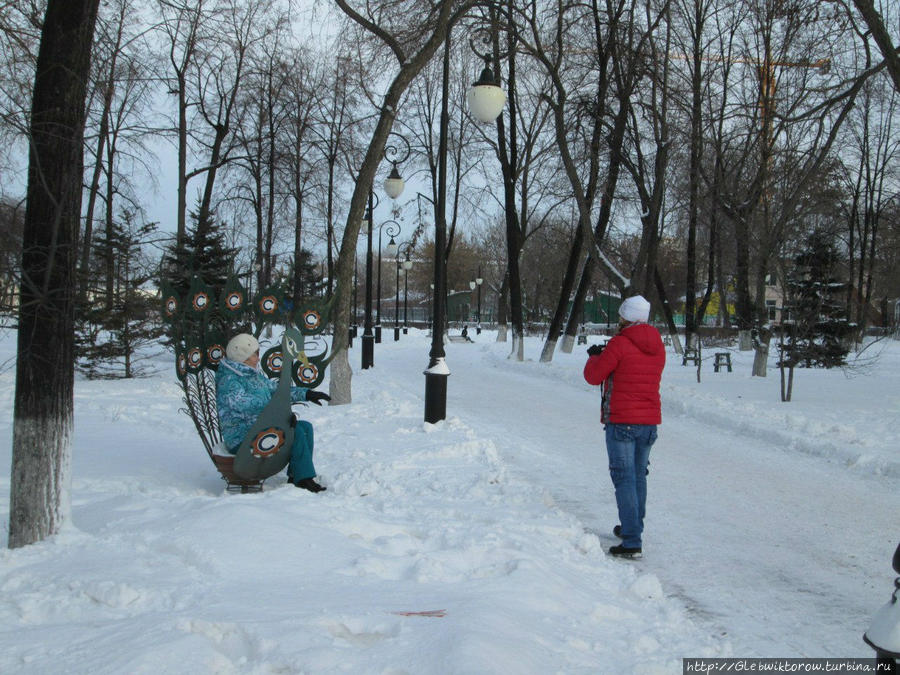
(310, 484)
(626, 552)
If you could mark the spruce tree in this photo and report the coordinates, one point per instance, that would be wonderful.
(305, 278)
(204, 253)
(112, 335)
(817, 322)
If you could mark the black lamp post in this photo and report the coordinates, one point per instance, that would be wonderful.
(368, 337)
(478, 281)
(393, 229)
(436, 373)
(401, 263)
(353, 326)
(486, 100)
(393, 186)
(407, 266)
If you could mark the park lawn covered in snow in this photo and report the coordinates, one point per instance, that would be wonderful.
(475, 545)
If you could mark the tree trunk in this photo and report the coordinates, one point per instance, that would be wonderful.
(109, 221)
(329, 238)
(882, 38)
(109, 88)
(181, 208)
(577, 306)
(502, 309)
(88, 233)
(43, 415)
(297, 284)
(690, 315)
(410, 66)
(508, 153)
(667, 312)
(565, 296)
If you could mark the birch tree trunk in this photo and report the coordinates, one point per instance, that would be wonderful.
(409, 66)
(43, 410)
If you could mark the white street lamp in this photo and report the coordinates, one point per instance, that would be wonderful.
(485, 97)
(394, 183)
(392, 248)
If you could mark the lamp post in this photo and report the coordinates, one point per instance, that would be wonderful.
(486, 100)
(393, 229)
(368, 338)
(393, 186)
(478, 281)
(407, 265)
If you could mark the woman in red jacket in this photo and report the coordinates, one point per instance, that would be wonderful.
(629, 369)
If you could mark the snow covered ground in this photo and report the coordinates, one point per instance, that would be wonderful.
(770, 527)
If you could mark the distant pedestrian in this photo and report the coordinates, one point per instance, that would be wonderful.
(628, 369)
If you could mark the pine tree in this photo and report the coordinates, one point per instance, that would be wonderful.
(817, 319)
(305, 278)
(111, 335)
(204, 254)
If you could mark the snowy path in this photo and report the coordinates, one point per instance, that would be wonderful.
(728, 516)
(769, 533)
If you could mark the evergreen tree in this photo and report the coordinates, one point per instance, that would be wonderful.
(304, 279)
(110, 336)
(204, 253)
(817, 315)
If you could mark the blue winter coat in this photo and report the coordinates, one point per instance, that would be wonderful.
(241, 394)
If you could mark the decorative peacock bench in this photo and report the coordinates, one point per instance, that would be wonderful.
(198, 324)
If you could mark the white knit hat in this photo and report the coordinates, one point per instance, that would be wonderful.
(635, 309)
(241, 347)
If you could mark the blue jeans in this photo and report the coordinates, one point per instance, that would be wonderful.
(301, 464)
(628, 447)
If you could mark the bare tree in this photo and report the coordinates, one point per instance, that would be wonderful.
(20, 29)
(43, 414)
(298, 165)
(182, 27)
(872, 148)
(122, 85)
(331, 132)
(874, 19)
(11, 226)
(595, 57)
(412, 45)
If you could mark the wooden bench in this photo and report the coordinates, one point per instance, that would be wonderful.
(691, 354)
(459, 338)
(722, 359)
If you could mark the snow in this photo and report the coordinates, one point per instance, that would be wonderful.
(475, 545)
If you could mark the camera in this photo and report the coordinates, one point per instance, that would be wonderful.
(593, 350)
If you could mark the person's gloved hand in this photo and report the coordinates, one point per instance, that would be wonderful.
(317, 397)
(593, 350)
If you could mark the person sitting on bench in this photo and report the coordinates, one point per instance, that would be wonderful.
(242, 391)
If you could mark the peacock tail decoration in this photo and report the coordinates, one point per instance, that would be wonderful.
(200, 321)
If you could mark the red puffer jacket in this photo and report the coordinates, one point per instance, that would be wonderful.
(635, 358)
